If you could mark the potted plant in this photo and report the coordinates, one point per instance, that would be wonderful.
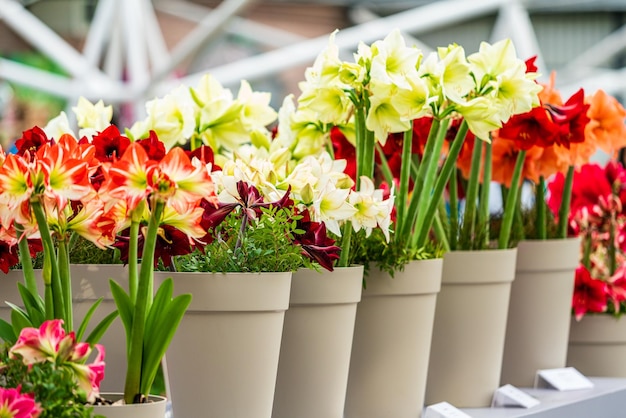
(45, 373)
(598, 300)
(560, 136)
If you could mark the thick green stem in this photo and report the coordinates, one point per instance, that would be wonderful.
(133, 260)
(485, 192)
(454, 210)
(405, 177)
(566, 199)
(50, 264)
(427, 174)
(469, 215)
(511, 202)
(66, 282)
(144, 297)
(540, 207)
(346, 239)
(441, 226)
(26, 260)
(421, 230)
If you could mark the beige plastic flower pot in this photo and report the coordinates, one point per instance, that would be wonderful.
(597, 345)
(540, 309)
(223, 359)
(470, 325)
(317, 342)
(391, 346)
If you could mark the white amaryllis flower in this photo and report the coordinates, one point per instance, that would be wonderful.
(92, 118)
(58, 126)
(171, 117)
(331, 206)
(383, 118)
(256, 111)
(505, 79)
(371, 209)
(393, 62)
(453, 73)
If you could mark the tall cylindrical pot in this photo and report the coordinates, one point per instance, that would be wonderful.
(470, 326)
(155, 408)
(538, 324)
(317, 342)
(223, 359)
(597, 345)
(391, 345)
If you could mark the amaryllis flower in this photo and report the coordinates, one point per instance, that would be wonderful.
(315, 243)
(31, 141)
(571, 119)
(344, 150)
(110, 144)
(14, 404)
(51, 343)
(155, 149)
(590, 295)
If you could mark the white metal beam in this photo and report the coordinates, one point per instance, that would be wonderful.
(418, 20)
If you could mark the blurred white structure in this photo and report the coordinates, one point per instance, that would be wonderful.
(125, 59)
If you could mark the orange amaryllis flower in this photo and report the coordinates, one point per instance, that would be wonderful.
(606, 126)
(504, 157)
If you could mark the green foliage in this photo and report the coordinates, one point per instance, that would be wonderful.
(266, 244)
(83, 251)
(390, 257)
(54, 386)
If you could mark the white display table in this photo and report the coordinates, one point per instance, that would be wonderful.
(607, 399)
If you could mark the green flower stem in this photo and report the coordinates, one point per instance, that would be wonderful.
(540, 207)
(469, 215)
(66, 282)
(422, 229)
(384, 165)
(144, 297)
(587, 247)
(425, 180)
(405, 177)
(511, 202)
(518, 231)
(54, 295)
(429, 154)
(346, 239)
(611, 248)
(483, 208)
(441, 225)
(26, 260)
(454, 210)
(565, 203)
(133, 260)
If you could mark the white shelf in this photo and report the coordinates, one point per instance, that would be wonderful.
(607, 399)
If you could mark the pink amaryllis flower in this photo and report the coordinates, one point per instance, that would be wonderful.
(14, 404)
(51, 343)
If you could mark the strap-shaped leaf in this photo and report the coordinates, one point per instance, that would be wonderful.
(19, 319)
(32, 304)
(96, 334)
(85, 322)
(124, 306)
(7, 334)
(164, 317)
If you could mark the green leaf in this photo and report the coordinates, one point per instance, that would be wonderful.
(32, 304)
(7, 333)
(19, 319)
(86, 319)
(124, 305)
(96, 334)
(163, 320)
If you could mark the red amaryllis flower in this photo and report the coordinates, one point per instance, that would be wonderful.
(110, 144)
(31, 141)
(170, 242)
(315, 242)
(344, 150)
(590, 295)
(571, 119)
(531, 67)
(8, 256)
(591, 183)
(534, 128)
(153, 146)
